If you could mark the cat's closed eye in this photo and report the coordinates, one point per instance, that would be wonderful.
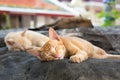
(53, 49)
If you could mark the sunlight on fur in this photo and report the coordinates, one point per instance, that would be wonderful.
(22, 40)
(75, 48)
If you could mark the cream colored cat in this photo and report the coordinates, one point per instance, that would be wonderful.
(76, 48)
(22, 40)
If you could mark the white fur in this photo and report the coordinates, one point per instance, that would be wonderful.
(29, 39)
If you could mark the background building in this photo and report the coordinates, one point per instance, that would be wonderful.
(29, 13)
(34, 13)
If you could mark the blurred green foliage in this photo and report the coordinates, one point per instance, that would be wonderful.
(109, 17)
(5, 22)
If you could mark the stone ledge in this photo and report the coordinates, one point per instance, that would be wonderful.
(22, 66)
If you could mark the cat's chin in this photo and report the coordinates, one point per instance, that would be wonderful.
(60, 58)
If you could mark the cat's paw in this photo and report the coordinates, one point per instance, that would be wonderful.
(76, 58)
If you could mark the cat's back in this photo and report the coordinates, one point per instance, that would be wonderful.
(34, 35)
(36, 38)
(75, 40)
(78, 42)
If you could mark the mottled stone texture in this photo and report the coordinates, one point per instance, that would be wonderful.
(23, 66)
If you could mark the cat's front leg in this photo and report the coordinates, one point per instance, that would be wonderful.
(79, 57)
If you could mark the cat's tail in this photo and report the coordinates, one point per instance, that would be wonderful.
(106, 56)
(110, 56)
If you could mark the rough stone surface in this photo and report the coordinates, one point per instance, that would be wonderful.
(23, 66)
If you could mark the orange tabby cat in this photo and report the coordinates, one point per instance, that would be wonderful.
(22, 40)
(76, 48)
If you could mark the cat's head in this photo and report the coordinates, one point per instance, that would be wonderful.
(54, 49)
(15, 41)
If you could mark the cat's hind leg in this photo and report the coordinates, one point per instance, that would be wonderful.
(79, 57)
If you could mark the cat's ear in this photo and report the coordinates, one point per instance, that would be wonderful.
(10, 42)
(23, 33)
(53, 34)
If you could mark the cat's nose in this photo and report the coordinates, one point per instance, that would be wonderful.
(56, 56)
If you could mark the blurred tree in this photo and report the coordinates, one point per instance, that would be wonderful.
(5, 21)
(110, 14)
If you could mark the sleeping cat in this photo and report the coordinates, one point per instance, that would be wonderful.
(76, 48)
(22, 40)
